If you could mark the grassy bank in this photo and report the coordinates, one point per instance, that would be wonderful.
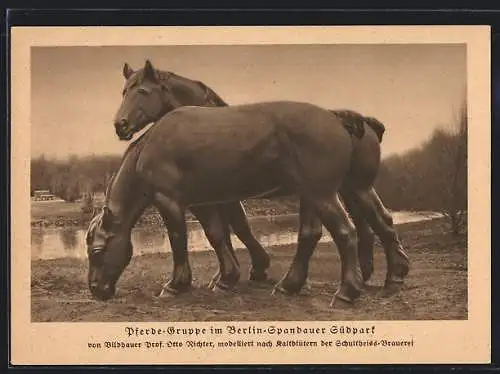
(64, 214)
(436, 287)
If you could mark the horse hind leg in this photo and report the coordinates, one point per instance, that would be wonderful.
(212, 239)
(366, 240)
(398, 264)
(399, 261)
(234, 215)
(366, 237)
(335, 218)
(218, 235)
(310, 232)
(380, 207)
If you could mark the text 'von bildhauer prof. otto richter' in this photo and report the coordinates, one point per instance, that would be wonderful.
(230, 336)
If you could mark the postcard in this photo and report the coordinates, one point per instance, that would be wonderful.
(250, 195)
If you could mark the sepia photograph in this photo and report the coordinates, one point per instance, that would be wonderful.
(251, 182)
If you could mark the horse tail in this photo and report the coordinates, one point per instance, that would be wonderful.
(352, 121)
(376, 126)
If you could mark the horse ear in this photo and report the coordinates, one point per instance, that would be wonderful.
(150, 71)
(127, 71)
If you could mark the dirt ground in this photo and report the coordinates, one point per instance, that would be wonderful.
(436, 287)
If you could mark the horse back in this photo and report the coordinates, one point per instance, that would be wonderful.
(241, 143)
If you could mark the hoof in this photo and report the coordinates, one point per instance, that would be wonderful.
(291, 284)
(348, 293)
(168, 290)
(341, 302)
(211, 284)
(366, 274)
(218, 283)
(391, 288)
(219, 286)
(371, 287)
(401, 264)
(260, 276)
(279, 288)
(351, 287)
(226, 281)
(214, 280)
(268, 282)
(402, 270)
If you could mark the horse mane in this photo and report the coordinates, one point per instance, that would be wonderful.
(211, 95)
(216, 99)
(164, 75)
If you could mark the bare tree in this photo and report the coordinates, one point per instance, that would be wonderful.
(457, 211)
(431, 177)
(449, 172)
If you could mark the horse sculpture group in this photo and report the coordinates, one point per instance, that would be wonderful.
(206, 156)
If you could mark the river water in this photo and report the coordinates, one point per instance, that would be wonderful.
(50, 243)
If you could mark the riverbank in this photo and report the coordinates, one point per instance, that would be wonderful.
(49, 214)
(436, 287)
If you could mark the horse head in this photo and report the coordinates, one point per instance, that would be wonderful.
(108, 252)
(146, 98)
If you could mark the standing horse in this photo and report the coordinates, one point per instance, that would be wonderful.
(196, 157)
(157, 92)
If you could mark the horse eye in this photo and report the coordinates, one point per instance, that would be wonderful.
(97, 251)
(143, 91)
(96, 256)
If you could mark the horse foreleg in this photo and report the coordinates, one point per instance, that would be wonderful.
(336, 220)
(366, 238)
(310, 232)
(173, 216)
(218, 235)
(381, 222)
(234, 215)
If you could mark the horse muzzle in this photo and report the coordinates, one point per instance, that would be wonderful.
(102, 292)
(100, 287)
(123, 130)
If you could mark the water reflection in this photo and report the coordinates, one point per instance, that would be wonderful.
(148, 240)
(37, 236)
(69, 239)
(278, 230)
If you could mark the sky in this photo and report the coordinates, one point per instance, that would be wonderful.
(412, 89)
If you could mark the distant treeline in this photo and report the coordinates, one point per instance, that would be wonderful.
(427, 178)
(431, 177)
(72, 178)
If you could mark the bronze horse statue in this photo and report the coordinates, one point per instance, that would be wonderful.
(354, 122)
(196, 157)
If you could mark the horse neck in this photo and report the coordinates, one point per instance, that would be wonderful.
(194, 93)
(124, 197)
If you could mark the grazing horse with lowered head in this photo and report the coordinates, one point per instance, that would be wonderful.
(158, 92)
